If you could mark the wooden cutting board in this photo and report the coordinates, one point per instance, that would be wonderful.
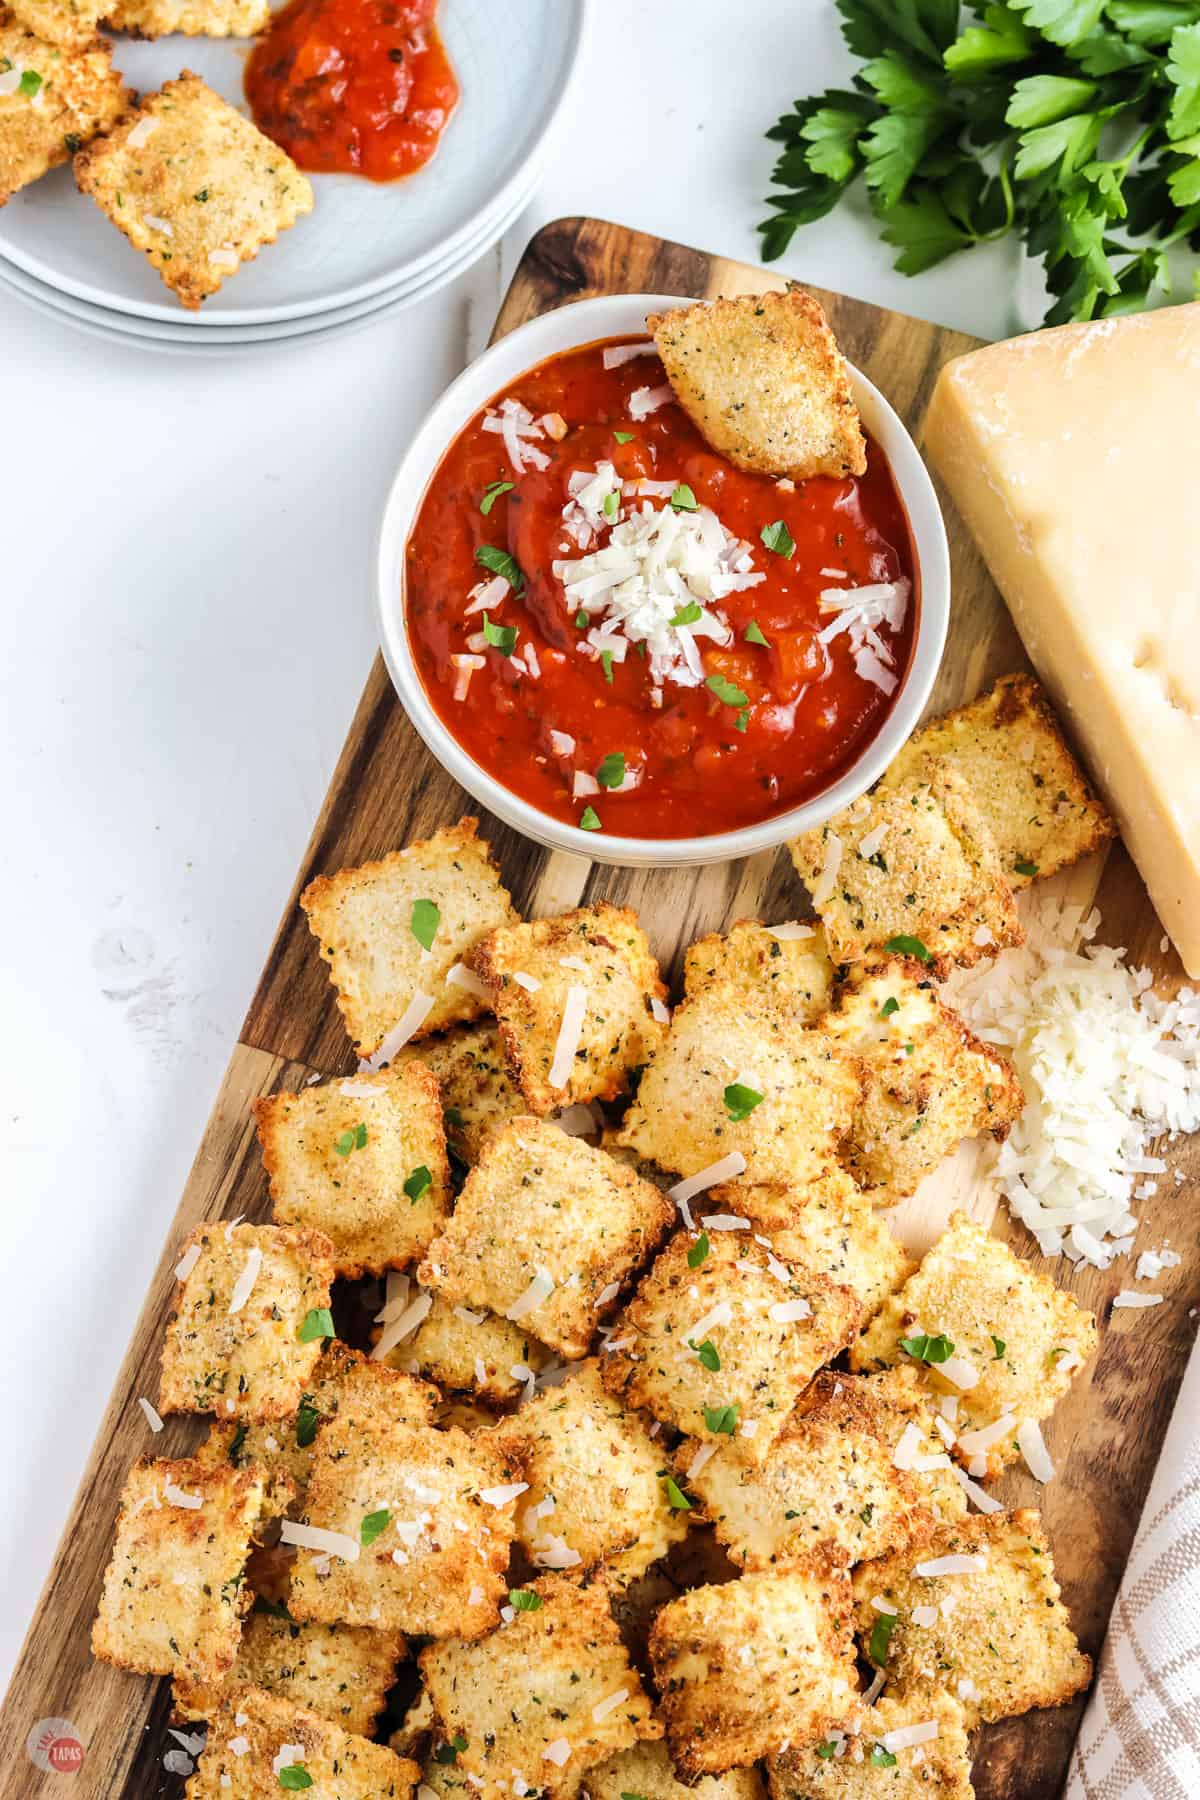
(386, 790)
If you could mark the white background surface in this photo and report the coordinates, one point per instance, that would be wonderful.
(187, 626)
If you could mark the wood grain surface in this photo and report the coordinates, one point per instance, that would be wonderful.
(387, 790)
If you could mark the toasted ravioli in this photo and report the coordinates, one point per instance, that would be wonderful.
(68, 24)
(340, 1672)
(235, 1353)
(192, 183)
(539, 1698)
(911, 869)
(256, 1735)
(1009, 1324)
(362, 1160)
(647, 1771)
(173, 1594)
(929, 1082)
(721, 1338)
(284, 1447)
(830, 1477)
(478, 1093)
(685, 1116)
(763, 380)
(765, 959)
(995, 1633)
(192, 18)
(430, 1513)
(866, 1766)
(746, 1669)
(545, 1231)
(470, 1351)
(64, 97)
(829, 1224)
(599, 953)
(364, 918)
(597, 1492)
(1008, 748)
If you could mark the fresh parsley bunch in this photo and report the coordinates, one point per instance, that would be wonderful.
(1075, 123)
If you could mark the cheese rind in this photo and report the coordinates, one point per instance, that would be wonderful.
(1071, 454)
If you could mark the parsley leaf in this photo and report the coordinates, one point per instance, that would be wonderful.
(492, 493)
(294, 1777)
(677, 1500)
(687, 615)
(418, 1183)
(447, 1754)
(354, 1139)
(753, 635)
(307, 1420)
(778, 538)
(698, 1251)
(740, 1101)
(589, 819)
(611, 772)
(525, 1600)
(928, 1349)
(707, 1352)
(1026, 868)
(903, 945)
(373, 1525)
(623, 437)
(606, 663)
(890, 1006)
(726, 692)
(423, 922)
(721, 1419)
(683, 499)
(501, 637)
(881, 1637)
(1000, 1347)
(29, 83)
(490, 556)
(316, 1324)
(880, 1757)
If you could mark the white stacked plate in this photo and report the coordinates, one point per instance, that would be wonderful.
(366, 249)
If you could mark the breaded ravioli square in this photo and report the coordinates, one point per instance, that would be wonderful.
(829, 1224)
(929, 1082)
(69, 24)
(831, 1476)
(372, 923)
(339, 1672)
(192, 183)
(976, 1612)
(736, 1075)
(721, 1338)
(424, 1519)
(545, 1231)
(544, 1698)
(575, 999)
(59, 99)
(598, 1492)
(467, 1350)
(648, 1772)
(478, 1092)
(790, 962)
(879, 1759)
(256, 1736)
(764, 382)
(1011, 1330)
(912, 869)
(284, 1447)
(1036, 800)
(234, 1343)
(363, 1160)
(173, 1595)
(764, 1662)
(191, 18)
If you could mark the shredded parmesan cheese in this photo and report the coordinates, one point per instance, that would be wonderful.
(569, 1033)
(539, 1290)
(399, 1328)
(415, 1015)
(187, 1262)
(243, 1287)
(177, 1496)
(462, 977)
(1032, 1446)
(153, 1419)
(725, 1169)
(957, 1564)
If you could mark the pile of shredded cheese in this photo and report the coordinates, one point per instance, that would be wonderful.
(1108, 1068)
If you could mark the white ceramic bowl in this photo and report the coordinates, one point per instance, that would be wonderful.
(623, 315)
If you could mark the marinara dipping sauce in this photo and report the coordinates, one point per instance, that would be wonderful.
(672, 660)
(358, 87)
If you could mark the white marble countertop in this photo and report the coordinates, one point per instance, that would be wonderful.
(186, 629)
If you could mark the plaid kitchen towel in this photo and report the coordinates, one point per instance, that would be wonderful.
(1140, 1738)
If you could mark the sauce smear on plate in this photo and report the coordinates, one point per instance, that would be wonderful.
(358, 87)
(672, 659)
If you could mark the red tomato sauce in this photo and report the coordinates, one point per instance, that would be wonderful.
(702, 764)
(357, 87)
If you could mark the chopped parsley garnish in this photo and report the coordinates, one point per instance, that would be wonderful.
(742, 720)
(239, 1438)
(698, 1251)
(1000, 1347)
(354, 1139)
(317, 1324)
(881, 1637)
(707, 1352)
(778, 538)
(867, 1513)
(490, 556)
(200, 196)
(501, 637)
(683, 499)
(623, 437)
(725, 691)
(740, 1101)
(307, 1420)
(418, 1182)
(610, 505)
(721, 1418)
(687, 615)
(374, 1525)
(826, 1750)
(423, 922)
(582, 620)
(294, 1777)
(448, 1753)
(908, 946)
(611, 772)
(606, 663)
(928, 1349)
(881, 1758)
(590, 820)
(1026, 868)
(524, 1599)
(274, 1609)
(492, 493)
(890, 1006)
(31, 81)
(677, 1500)
(753, 635)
